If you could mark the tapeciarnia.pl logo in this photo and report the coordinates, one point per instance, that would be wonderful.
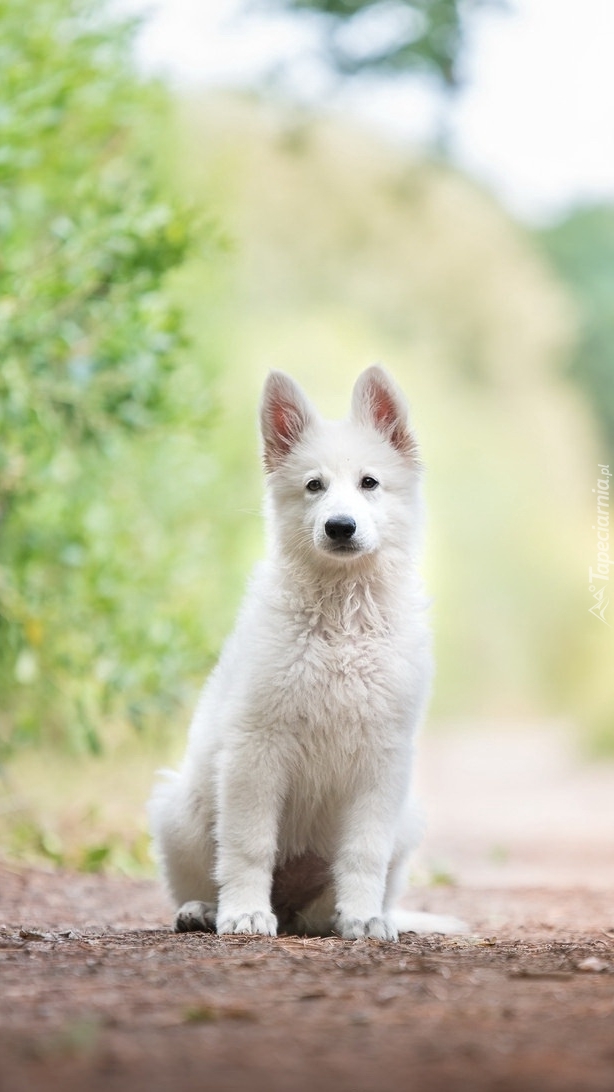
(598, 578)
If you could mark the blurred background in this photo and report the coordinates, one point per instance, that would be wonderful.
(192, 193)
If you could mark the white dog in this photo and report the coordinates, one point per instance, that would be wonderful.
(292, 809)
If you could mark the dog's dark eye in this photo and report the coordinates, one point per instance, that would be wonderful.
(314, 485)
(369, 483)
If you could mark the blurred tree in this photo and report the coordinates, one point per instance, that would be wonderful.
(581, 248)
(392, 37)
(87, 341)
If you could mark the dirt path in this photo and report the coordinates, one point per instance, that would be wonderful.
(97, 993)
(517, 806)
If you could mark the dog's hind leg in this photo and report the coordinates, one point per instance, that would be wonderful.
(412, 921)
(182, 830)
(409, 836)
(195, 916)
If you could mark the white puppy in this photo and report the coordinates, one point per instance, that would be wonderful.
(292, 809)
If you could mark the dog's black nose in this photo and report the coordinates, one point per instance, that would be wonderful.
(340, 527)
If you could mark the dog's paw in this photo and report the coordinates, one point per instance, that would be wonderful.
(354, 928)
(261, 923)
(195, 917)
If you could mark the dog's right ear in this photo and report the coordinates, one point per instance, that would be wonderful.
(377, 401)
(285, 414)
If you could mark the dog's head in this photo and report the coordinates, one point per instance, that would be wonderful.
(341, 491)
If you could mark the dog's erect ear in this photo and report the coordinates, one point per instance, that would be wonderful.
(377, 401)
(285, 414)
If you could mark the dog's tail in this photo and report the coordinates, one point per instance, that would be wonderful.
(415, 921)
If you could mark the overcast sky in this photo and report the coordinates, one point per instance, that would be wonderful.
(535, 120)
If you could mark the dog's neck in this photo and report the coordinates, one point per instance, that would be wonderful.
(355, 599)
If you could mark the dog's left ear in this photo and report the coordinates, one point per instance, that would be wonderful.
(285, 414)
(377, 401)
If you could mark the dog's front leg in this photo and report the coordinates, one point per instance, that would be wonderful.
(361, 868)
(250, 797)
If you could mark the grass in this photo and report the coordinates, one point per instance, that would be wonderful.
(85, 812)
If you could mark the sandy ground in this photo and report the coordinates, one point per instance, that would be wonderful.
(97, 993)
(516, 805)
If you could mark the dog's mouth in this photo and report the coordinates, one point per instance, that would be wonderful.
(343, 549)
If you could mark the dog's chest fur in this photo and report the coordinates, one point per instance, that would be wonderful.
(342, 681)
(335, 706)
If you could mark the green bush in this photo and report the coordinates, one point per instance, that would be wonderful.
(89, 340)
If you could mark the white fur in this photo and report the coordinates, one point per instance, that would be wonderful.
(296, 779)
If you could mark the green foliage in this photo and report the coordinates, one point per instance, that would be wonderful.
(581, 248)
(390, 37)
(89, 337)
